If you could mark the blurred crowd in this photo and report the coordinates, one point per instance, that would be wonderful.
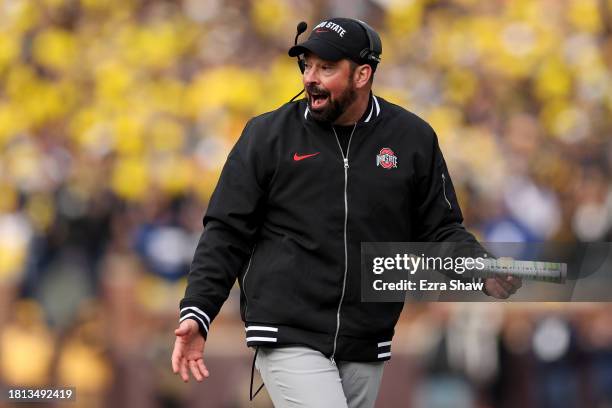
(117, 115)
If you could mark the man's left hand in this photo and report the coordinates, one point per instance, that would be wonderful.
(502, 287)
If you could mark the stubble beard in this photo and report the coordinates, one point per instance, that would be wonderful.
(335, 107)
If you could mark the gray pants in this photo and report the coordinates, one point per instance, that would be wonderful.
(303, 377)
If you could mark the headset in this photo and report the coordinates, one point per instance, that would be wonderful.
(371, 54)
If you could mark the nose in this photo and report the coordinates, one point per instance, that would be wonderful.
(310, 77)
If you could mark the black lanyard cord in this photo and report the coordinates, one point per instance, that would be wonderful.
(251, 395)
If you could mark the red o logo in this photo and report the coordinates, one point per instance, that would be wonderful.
(386, 158)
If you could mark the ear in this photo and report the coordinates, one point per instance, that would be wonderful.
(362, 75)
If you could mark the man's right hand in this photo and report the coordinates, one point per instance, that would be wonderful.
(189, 352)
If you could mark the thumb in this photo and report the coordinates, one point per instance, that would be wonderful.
(184, 329)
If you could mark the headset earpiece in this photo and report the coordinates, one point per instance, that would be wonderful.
(374, 50)
(365, 54)
(302, 64)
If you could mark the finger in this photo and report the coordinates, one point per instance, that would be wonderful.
(512, 284)
(195, 371)
(508, 288)
(176, 357)
(177, 354)
(502, 294)
(182, 330)
(515, 282)
(203, 368)
(501, 281)
(183, 370)
(499, 291)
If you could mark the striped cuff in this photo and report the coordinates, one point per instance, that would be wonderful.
(257, 335)
(384, 350)
(197, 314)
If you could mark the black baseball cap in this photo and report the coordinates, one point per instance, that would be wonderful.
(335, 39)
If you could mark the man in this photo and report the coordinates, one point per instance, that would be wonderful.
(301, 189)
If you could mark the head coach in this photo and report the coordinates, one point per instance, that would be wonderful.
(301, 189)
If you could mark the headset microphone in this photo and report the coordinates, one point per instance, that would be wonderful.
(301, 27)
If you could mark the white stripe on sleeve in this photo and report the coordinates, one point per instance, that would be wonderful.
(197, 317)
(269, 339)
(197, 310)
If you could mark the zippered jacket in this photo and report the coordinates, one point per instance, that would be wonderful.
(288, 216)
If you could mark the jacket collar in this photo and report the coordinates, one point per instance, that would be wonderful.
(373, 112)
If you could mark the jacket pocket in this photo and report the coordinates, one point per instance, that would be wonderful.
(450, 207)
(243, 281)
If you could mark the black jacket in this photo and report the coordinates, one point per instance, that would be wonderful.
(288, 216)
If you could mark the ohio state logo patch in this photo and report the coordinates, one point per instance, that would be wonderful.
(386, 158)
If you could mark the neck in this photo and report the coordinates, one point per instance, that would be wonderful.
(355, 111)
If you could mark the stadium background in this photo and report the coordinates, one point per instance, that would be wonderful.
(116, 116)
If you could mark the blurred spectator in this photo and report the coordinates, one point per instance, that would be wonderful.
(26, 347)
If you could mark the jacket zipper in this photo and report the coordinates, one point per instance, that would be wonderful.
(444, 191)
(248, 268)
(346, 167)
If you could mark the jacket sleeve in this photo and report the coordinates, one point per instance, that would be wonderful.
(437, 214)
(230, 225)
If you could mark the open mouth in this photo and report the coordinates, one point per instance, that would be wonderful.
(318, 100)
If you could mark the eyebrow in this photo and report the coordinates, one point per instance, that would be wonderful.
(324, 62)
(309, 55)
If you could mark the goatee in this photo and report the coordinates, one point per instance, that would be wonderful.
(335, 107)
